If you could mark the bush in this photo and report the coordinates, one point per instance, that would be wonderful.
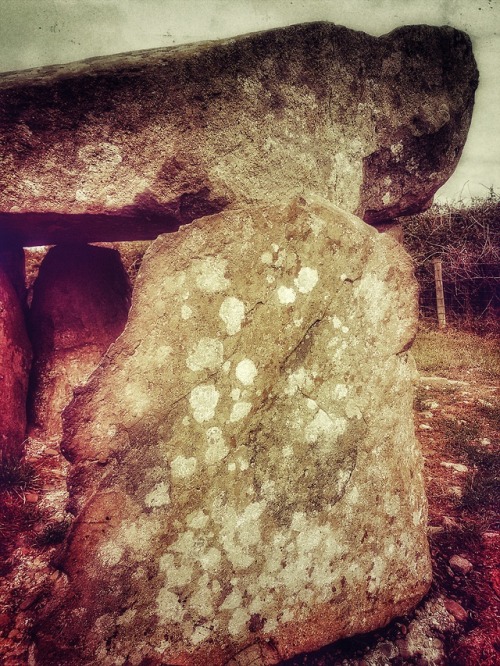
(467, 240)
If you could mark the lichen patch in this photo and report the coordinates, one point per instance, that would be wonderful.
(203, 400)
(306, 280)
(207, 354)
(239, 411)
(246, 372)
(286, 295)
(232, 313)
(209, 274)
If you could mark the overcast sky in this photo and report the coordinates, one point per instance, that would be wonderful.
(43, 32)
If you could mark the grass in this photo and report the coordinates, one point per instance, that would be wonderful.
(16, 516)
(450, 350)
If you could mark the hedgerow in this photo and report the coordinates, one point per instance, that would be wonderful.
(466, 237)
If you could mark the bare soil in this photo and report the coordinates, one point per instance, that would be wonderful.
(457, 421)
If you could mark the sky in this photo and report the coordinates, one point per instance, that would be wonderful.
(34, 33)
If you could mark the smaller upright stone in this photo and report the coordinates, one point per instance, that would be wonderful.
(15, 360)
(80, 306)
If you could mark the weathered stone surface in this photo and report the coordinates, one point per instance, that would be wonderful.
(123, 147)
(246, 479)
(80, 305)
(15, 360)
(12, 263)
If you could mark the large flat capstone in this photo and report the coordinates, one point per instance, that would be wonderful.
(125, 147)
(246, 480)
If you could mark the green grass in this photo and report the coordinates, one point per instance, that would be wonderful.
(451, 350)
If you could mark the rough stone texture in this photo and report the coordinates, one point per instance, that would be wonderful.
(123, 147)
(80, 305)
(12, 263)
(15, 360)
(246, 480)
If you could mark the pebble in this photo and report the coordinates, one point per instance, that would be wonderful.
(485, 441)
(51, 452)
(32, 498)
(455, 609)
(425, 426)
(456, 467)
(461, 564)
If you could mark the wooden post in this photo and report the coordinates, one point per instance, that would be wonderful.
(438, 279)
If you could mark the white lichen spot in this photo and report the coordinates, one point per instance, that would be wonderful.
(316, 223)
(286, 295)
(275, 247)
(352, 497)
(311, 404)
(236, 394)
(270, 279)
(231, 467)
(110, 553)
(340, 391)
(162, 354)
(186, 312)
(306, 280)
(201, 602)
(197, 519)
(183, 468)
(203, 400)
(216, 449)
(169, 607)
(343, 277)
(287, 451)
(210, 560)
(207, 354)
(137, 398)
(336, 322)
(324, 426)
(233, 600)
(417, 517)
(199, 635)
(345, 329)
(239, 411)
(378, 568)
(246, 371)
(232, 313)
(298, 322)
(243, 463)
(159, 496)
(298, 380)
(267, 258)
(209, 274)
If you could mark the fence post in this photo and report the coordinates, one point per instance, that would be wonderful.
(438, 279)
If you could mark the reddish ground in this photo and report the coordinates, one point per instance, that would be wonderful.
(458, 424)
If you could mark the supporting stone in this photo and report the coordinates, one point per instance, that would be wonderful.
(80, 306)
(15, 356)
(246, 479)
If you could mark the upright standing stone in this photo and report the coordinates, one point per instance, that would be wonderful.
(246, 477)
(80, 306)
(15, 360)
